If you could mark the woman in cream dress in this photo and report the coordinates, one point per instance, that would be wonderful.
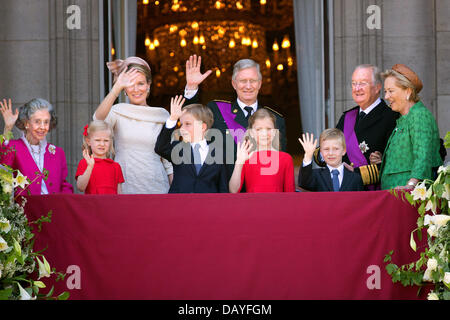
(136, 127)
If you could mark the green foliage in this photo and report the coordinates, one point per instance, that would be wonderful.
(431, 198)
(18, 260)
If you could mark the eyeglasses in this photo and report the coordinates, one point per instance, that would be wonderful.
(245, 81)
(362, 84)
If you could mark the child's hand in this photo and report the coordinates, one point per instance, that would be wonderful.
(9, 116)
(309, 145)
(243, 152)
(89, 158)
(175, 107)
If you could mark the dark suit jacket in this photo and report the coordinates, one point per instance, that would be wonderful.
(212, 177)
(375, 129)
(219, 123)
(320, 180)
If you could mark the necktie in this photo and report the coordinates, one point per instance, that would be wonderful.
(249, 112)
(335, 173)
(197, 158)
(361, 115)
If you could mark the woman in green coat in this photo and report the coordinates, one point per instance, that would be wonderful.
(412, 150)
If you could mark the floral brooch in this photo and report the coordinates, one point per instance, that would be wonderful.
(51, 149)
(363, 146)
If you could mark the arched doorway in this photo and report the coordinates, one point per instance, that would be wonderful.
(222, 32)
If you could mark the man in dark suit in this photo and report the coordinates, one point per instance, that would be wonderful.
(367, 127)
(231, 118)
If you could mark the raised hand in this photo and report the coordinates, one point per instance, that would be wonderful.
(309, 145)
(89, 158)
(127, 78)
(9, 116)
(193, 74)
(243, 152)
(175, 107)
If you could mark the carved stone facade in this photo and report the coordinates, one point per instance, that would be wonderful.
(41, 57)
(413, 32)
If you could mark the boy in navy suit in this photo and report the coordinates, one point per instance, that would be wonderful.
(335, 176)
(195, 169)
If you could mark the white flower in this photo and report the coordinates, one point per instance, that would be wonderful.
(446, 193)
(445, 169)
(447, 278)
(419, 191)
(51, 149)
(441, 220)
(3, 244)
(435, 222)
(432, 264)
(44, 268)
(431, 205)
(24, 295)
(8, 188)
(432, 296)
(20, 180)
(427, 219)
(427, 276)
(4, 225)
(432, 231)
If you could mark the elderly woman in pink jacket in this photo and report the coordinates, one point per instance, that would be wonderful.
(42, 163)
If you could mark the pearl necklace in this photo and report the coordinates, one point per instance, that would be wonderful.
(35, 152)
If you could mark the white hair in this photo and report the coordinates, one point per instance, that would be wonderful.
(376, 72)
(245, 64)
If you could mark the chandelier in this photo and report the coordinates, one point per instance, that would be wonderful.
(221, 32)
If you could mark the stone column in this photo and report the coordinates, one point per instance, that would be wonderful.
(409, 38)
(354, 44)
(74, 85)
(41, 57)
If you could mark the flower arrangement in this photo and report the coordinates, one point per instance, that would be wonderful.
(431, 198)
(17, 258)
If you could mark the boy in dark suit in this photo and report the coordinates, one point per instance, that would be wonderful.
(333, 177)
(196, 168)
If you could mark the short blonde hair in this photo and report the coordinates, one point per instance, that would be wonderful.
(333, 134)
(402, 82)
(99, 125)
(200, 113)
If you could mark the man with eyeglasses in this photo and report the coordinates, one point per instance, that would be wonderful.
(367, 127)
(231, 118)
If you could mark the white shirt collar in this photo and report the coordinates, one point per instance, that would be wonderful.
(203, 144)
(340, 169)
(341, 173)
(40, 161)
(42, 143)
(242, 105)
(371, 107)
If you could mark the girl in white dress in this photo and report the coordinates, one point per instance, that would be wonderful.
(136, 127)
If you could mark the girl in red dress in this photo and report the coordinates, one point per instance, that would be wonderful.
(97, 173)
(259, 166)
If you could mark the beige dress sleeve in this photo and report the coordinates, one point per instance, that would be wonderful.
(136, 129)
